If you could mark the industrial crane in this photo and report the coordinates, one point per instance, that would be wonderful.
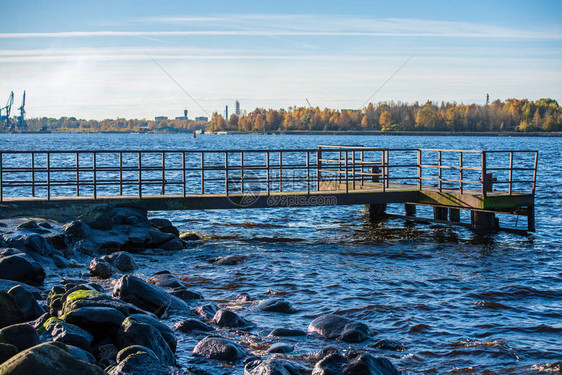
(7, 109)
(22, 125)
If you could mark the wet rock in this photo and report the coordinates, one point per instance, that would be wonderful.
(207, 311)
(105, 353)
(189, 325)
(220, 349)
(100, 268)
(286, 332)
(166, 332)
(190, 236)
(164, 225)
(47, 359)
(273, 366)
(389, 345)
(165, 279)
(139, 360)
(84, 296)
(81, 354)
(353, 364)
(26, 302)
(101, 322)
(276, 305)
(7, 351)
(22, 336)
(185, 295)
(243, 297)
(6, 285)
(280, 347)
(229, 319)
(76, 231)
(230, 260)
(21, 268)
(68, 333)
(146, 296)
(338, 327)
(26, 241)
(136, 333)
(331, 364)
(10, 313)
(327, 351)
(106, 218)
(123, 261)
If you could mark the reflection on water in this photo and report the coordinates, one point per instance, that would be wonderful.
(444, 300)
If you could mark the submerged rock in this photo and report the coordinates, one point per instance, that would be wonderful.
(273, 366)
(185, 295)
(230, 260)
(280, 347)
(207, 311)
(220, 349)
(22, 268)
(47, 359)
(276, 305)
(189, 325)
(146, 296)
(286, 332)
(338, 327)
(165, 279)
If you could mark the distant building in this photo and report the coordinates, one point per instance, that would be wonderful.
(181, 118)
(160, 118)
(202, 118)
(237, 108)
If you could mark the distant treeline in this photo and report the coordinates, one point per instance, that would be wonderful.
(512, 115)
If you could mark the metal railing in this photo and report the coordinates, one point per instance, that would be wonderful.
(89, 173)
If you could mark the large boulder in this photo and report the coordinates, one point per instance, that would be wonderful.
(22, 268)
(276, 305)
(273, 366)
(7, 351)
(26, 302)
(69, 334)
(140, 360)
(76, 231)
(47, 359)
(101, 322)
(6, 285)
(354, 363)
(123, 261)
(84, 297)
(166, 280)
(164, 225)
(105, 218)
(133, 332)
(22, 336)
(27, 241)
(146, 296)
(101, 268)
(166, 332)
(220, 349)
(338, 327)
(10, 313)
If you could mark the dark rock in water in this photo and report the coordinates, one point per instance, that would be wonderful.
(123, 261)
(276, 305)
(220, 349)
(166, 280)
(100, 268)
(164, 225)
(389, 345)
(185, 295)
(81, 354)
(280, 347)
(10, 313)
(286, 332)
(189, 325)
(26, 302)
(230, 260)
(229, 319)
(243, 297)
(207, 311)
(76, 231)
(273, 366)
(99, 321)
(50, 358)
(20, 268)
(136, 333)
(6, 285)
(82, 296)
(106, 218)
(68, 333)
(7, 351)
(190, 236)
(166, 332)
(105, 353)
(146, 296)
(125, 352)
(327, 351)
(26, 241)
(338, 327)
(355, 363)
(22, 336)
(139, 360)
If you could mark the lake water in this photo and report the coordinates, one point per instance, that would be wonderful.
(456, 302)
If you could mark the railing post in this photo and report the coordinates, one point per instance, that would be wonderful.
(120, 173)
(383, 170)
(202, 173)
(483, 177)
(361, 162)
(226, 173)
(439, 171)
(48, 176)
(353, 168)
(346, 174)
(139, 155)
(535, 174)
(1, 180)
(242, 172)
(280, 171)
(318, 168)
(387, 151)
(164, 173)
(267, 171)
(94, 177)
(510, 172)
(33, 174)
(420, 184)
(183, 179)
(461, 172)
(307, 172)
(77, 174)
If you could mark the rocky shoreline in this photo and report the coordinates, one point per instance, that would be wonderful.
(114, 322)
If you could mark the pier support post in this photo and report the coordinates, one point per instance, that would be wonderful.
(375, 212)
(531, 218)
(410, 209)
(483, 222)
(440, 213)
(455, 215)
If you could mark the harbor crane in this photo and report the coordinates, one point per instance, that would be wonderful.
(22, 125)
(7, 109)
(310, 105)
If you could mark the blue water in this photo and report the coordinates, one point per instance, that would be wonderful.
(457, 302)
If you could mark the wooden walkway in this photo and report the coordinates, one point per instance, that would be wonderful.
(61, 185)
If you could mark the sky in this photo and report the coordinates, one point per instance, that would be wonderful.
(140, 59)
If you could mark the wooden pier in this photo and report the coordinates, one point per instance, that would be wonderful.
(61, 185)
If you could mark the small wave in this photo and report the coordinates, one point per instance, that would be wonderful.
(518, 292)
(419, 328)
(472, 344)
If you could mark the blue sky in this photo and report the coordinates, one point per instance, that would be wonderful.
(93, 59)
